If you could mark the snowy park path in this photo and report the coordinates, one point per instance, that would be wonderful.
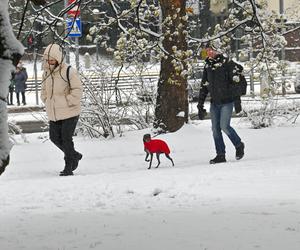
(114, 202)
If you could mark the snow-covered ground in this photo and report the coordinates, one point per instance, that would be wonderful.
(114, 203)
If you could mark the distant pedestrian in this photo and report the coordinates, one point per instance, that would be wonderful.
(218, 79)
(20, 79)
(61, 92)
(11, 90)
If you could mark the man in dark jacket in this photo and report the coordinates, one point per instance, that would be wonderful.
(218, 80)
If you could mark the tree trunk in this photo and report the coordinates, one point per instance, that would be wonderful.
(171, 110)
(10, 53)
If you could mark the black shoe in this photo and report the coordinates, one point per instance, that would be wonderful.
(239, 153)
(218, 159)
(76, 161)
(63, 173)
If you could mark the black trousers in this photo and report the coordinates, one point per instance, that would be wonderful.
(23, 97)
(61, 134)
(10, 98)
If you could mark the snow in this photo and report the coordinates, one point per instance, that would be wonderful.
(113, 201)
(181, 114)
(9, 46)
(5, 145)
(10, 43)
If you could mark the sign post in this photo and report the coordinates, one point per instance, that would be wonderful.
(67, 38)
(74, 27)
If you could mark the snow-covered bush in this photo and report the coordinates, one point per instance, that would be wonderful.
(272, 111)
(113, 101)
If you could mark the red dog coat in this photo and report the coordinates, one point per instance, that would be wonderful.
(157, 146)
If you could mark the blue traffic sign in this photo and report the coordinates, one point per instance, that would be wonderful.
(74, 27)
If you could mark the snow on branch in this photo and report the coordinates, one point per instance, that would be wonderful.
(10, 52)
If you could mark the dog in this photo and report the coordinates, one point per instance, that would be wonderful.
(157, 146)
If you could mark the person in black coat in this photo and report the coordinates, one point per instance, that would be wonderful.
(11, 90)
(218, 80)
(20, 79)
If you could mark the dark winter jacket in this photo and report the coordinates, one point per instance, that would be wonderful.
(20, 79)
(218, 81)
(156, 146)
(11, 86)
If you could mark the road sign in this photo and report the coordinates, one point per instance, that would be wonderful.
(74, 27)
(75, 11)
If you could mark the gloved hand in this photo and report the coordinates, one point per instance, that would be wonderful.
(201, 113)
(237, 107)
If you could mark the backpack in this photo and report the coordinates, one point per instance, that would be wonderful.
(68, 75)
(238, 81)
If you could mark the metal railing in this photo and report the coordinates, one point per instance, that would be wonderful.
(123, 82)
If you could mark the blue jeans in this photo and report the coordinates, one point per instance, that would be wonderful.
(220, 120)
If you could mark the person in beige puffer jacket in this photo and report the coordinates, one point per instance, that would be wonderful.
(61, 93)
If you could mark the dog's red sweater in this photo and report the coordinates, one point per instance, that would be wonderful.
(157, 146)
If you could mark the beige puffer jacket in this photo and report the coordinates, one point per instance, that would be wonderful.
(62, 100)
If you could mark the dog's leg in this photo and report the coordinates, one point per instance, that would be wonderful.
(147, 154)
(158, 161)
(150, 163)
(168, 156)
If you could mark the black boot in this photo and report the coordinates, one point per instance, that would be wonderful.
(78, 157)
(218, 159)
(68, 168)
(65, 173)
(239, 153)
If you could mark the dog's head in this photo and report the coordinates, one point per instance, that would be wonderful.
(146, 137)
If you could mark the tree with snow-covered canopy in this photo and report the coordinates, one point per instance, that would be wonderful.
(11, 51)
(165, 28)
